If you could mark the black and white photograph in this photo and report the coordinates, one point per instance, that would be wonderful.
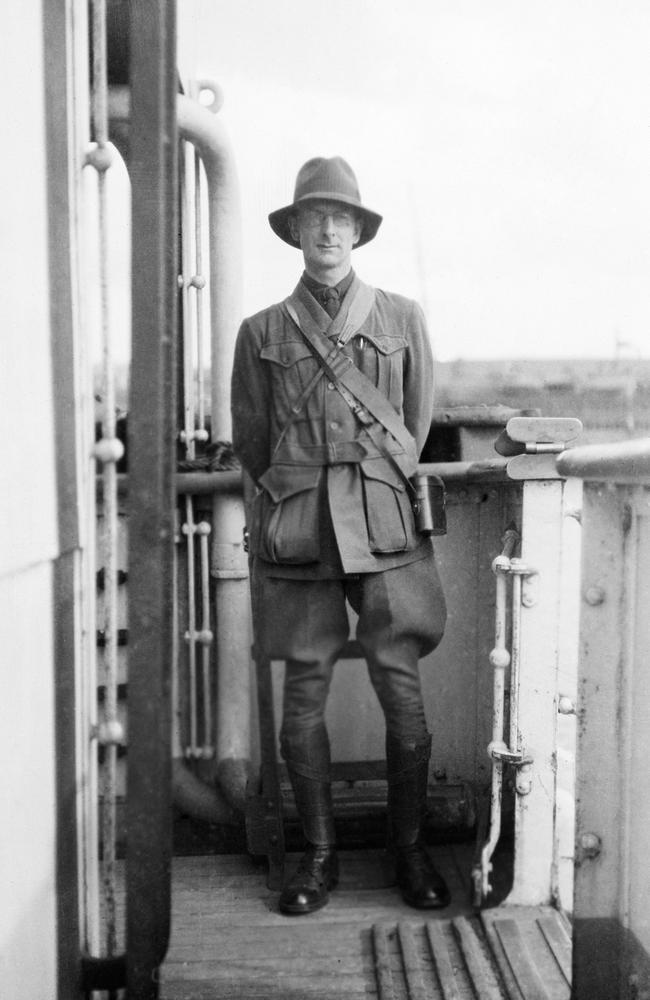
(325, 500)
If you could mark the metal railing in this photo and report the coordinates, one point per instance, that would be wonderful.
(195, 682)
(108, 733)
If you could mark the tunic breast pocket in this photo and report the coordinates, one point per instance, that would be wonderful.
(386, 369)
(291, 366)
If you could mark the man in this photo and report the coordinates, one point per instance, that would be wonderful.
(332, 518)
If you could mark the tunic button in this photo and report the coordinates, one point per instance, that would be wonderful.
(330, 385)
(335, 425)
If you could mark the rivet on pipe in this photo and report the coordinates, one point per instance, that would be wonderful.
(500, 658)
(108, 450)
(100, 158)
(110, 733)
(197, 281)
(198, 435)
(210, 89)
(204, 636)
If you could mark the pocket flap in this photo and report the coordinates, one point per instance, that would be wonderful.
(382, 471)
(286, 353)
(385, 344)
(282, 481)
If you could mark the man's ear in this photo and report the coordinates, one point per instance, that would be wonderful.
(358, 229)
(292, 223)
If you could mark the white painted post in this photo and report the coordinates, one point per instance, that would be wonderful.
(541, 596)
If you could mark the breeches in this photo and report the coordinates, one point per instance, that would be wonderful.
(401, 617)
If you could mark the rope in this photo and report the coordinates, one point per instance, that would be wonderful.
(218, 457)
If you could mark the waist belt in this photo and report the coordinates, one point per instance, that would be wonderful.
(324, 454)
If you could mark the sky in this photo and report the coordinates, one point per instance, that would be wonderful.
(505, 142)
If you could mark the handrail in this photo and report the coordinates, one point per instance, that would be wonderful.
(622, 461)
(106, 452)
(499, 659)
(500, 752)
(229, 481)
(478, 415)
(487, 471)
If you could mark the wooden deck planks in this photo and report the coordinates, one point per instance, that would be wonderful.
(442, 962)
(533, 949)
(229, 940)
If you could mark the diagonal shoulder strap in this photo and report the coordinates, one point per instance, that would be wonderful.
(353, 313)
(341, 369)
(345, 324)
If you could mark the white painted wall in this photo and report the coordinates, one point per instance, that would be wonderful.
(27, 851)
(28, 535)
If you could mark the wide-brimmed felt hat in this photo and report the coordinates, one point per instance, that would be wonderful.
(326, 180)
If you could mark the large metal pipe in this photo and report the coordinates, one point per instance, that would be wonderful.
(229, 564)
(229, 482)
(622, 461)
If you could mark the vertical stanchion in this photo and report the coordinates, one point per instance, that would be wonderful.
(107, 451)
(153, 147)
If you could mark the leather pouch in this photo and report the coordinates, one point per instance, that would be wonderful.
(284, 522)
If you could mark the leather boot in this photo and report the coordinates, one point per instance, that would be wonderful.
(309, 888)
(420, 883)
(308, 763)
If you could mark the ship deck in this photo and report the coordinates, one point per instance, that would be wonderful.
(230, 942)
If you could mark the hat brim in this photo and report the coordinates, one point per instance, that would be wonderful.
(279, 220)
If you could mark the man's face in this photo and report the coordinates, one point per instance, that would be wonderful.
(326, 231)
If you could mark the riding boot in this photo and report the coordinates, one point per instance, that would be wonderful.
(308, 763)
(407, 765)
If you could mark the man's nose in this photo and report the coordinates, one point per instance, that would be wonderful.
(328, 225)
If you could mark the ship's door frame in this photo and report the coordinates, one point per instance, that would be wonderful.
(153, 169)
(611, 947)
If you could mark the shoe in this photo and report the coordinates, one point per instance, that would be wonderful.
(420, 883)
(316, 875)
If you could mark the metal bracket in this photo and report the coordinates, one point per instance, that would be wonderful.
(535, 443)
(524, 776)
(515, 757)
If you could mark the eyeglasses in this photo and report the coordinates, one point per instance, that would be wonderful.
(313, 219)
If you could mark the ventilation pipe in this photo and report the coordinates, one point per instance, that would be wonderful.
(229, 565)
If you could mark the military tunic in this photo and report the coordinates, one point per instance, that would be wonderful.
(329, 503)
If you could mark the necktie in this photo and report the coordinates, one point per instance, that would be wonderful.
(330, 299)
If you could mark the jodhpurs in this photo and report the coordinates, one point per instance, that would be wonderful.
(401, 617)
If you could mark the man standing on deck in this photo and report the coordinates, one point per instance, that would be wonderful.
(332, 402)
